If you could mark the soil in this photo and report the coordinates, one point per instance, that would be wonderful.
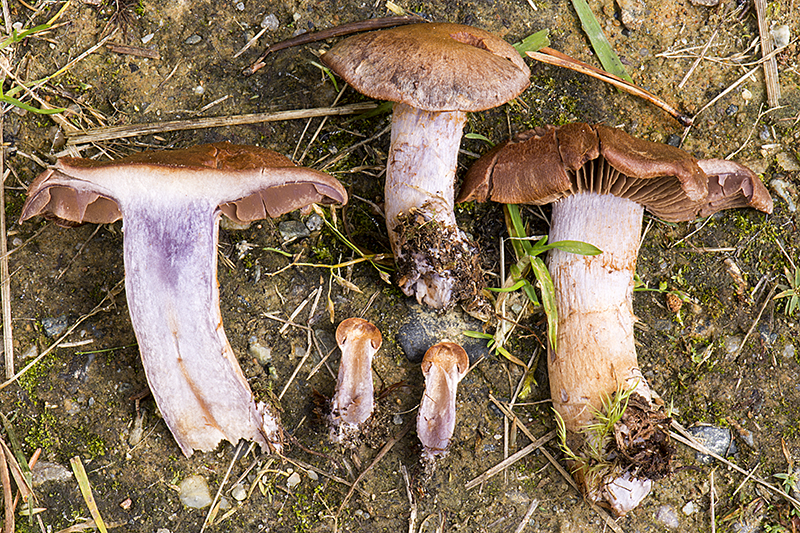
(82, 399)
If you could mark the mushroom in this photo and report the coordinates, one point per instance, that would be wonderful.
(171, 203)
(435, 73)
(599, 180)
(352, 402)
(443, 366)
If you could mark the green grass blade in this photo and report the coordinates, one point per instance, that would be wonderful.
(548, 299)
(608, 57)
(86, 491)
(533, 42)
(573, 247)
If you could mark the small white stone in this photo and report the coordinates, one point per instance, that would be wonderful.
(312, 475)
(270, 22)
(240, 6)
(239, 493)
(746, 95)
(689, 509)
(780, 35)
(293, 480)
(199, 90)
(194, 492)
(147, 38)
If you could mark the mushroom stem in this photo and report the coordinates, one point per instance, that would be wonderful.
(419, 192)
(596, 355)
(173, 298)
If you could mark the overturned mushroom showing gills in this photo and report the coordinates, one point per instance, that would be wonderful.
(599, 180)
(170, 203)
(435, 73)
(352, 402)
(443, 366)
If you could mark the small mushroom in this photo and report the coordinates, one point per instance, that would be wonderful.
(352, 402)
(170, 203)
(435, 73)
(443, 366)
(600, 180)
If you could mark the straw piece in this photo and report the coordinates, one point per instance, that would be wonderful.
(86, 491)
(5, 280)
(770, 66)
(134, 130)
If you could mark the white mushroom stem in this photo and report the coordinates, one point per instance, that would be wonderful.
(419, 179)
(596, 354)
(173, 297)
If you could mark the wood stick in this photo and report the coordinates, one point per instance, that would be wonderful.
(770, 66)
(133, 130)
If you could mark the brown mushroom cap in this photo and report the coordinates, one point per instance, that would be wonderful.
(358, 327)
(435, 67)
(250, 183)
(446, 355)
(540, 166)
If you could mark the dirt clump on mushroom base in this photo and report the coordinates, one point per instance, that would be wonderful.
(445, 251)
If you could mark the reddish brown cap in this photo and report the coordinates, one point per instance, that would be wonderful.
(540, 166)
(250, 183)
(446, 355)
(435, 67)
(358, 327)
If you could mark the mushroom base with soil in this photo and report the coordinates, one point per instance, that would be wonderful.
(436, 262)
(596, 357)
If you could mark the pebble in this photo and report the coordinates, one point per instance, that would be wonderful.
(270, 22)
(674, 140)
(767, 336)
(689, 509)
(361, 514)
(262, 354)
(44, 471)
(787, 161)
(631, 12)
(240, 6)
(194, 492)
(397, 420)
(780, 35)
(293, 480)
(784, 189)
(425, 327)
(788, 351)
(716, 439)
(706, 3)
(239, 493)
(314, 222)
(667, 516)
(732, 110)
(291, 230)
(147, 38)
(313, 476)
(30, 353)
(731, 343)
(53, 327)
(193, 39)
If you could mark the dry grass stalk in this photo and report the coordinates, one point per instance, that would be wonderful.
(554, 57)
(137, 51)
(134, 130)
(86, 492)
(412, 503)
(770, 65)
(697, 61)
(5, 279)
(528, 514)
(502, 465)
(209, 520)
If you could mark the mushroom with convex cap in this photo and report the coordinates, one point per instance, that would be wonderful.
(170, 203)
(352, 404)
(435, 74)
(444, 365)
(599, 180)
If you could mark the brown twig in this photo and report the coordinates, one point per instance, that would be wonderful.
(137, 51)
(337, 31)
(554, 57)
(135, 130)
